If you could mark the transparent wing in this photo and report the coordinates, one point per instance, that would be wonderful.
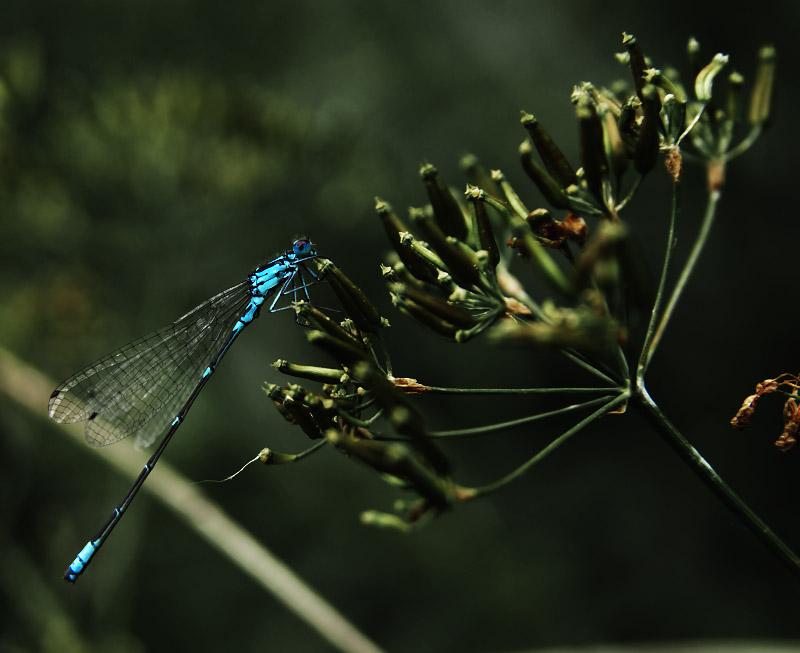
(121, 393)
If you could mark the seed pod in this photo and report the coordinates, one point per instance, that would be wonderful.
(593, 157)
(317, 319)
(417, 312)
(483, 225)
(646, 152)
(401, 413)
(733, 106)
(446, 208)
(675, 117)
(461, 265)
(304, 419)
(636, 62)
(627, 119)
(397, 460)
(310, 372)
(511, 197)
(552, 157)
(703, 83)
(693, 52)
(477, 176)
(342, 352)
(545, 182)
(357, 305)
(451, 313)
(761, 99)
(616, 153)
(395, 228)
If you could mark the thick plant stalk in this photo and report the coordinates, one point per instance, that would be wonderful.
(658, 420)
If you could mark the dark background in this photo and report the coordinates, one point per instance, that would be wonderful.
(153, 153)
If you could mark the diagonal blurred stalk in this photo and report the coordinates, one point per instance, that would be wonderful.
(30, 389)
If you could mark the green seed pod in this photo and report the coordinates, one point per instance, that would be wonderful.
(616, 152)
(646, 152)
(553, 192)
(462, 266)
(435, 323)
(451, 313)
(406, 419)
(446, 209)
(483, 225)
(398, 461)
(703, 83)
(552, 157)
(303, 418)
(693, 52)
(395, 228)
(761, 99)
(477, 176)
(675, 118)
(310, 372)
(357, 305)
(627, 117)
(593, 156)
(342, 352)
(317, 319)
(733, 106)
(509, 194)
(636, 61)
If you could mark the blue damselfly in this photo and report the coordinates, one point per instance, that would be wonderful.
(150, 384)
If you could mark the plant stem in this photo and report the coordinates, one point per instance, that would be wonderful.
(650, 338)
(580, 361)
(688, 268)
(658, 420)
(561, 439)
(493, 428)
(745, 145)
(516, 391)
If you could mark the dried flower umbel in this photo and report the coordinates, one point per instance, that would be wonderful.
(458, 265)
(787, 385)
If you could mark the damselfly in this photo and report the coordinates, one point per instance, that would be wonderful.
(150, 384)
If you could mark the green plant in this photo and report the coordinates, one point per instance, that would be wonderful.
(450, 274)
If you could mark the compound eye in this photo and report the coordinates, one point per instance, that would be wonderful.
(302, 246)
